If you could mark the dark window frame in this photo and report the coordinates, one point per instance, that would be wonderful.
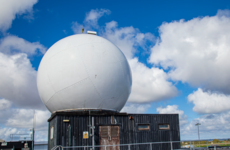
(143, 129)
(164, 128)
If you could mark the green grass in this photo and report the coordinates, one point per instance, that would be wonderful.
(220, 144)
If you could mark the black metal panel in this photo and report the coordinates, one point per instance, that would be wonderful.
(129, 133)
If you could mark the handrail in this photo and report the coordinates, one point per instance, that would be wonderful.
(130, 144)
(55, 147)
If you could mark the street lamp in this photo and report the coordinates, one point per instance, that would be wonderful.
(198, 132)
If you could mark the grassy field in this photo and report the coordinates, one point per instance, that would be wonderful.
(205, 145)
(220, 144)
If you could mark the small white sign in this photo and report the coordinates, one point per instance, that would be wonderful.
(51, 133)
(4, 144)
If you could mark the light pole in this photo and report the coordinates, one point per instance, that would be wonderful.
(198, 132)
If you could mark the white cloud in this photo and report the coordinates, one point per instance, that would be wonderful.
(15, 121)
(92, 17)
(5, 133)
(149, 84)
(208, 102)
(23, 118)
(212, 125)
(13, 44)
(77, 28)
(10, 8)
(196, 51)
(91, 20)
(18, 81)
(135, 108)
(4, 104)
(173, 109)
(128, 39)
(18, 88)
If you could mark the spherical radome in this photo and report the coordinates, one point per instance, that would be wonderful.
(84, 71)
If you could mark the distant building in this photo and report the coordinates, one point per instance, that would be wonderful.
(16, 145)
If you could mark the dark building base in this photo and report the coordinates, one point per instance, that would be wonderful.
(72, 128)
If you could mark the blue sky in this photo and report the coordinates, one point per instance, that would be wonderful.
(177, 50)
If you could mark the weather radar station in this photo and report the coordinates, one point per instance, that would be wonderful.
(84, 80)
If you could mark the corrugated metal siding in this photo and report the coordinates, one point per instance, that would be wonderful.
(129, 132)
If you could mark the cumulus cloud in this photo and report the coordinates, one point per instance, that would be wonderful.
(4, 104)
(93, 16)
(5, 132)
(149, 84)
(23, 118)
(77, 28)
(18, 81)
(18, 120)
(173, 109)
(91, 20)
(13, 44)
(135, 108)
(196, 51)
(209, 102)
(128, 39)
(10, 8)
(212, 125)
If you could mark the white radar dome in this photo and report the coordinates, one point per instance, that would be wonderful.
(84, 71)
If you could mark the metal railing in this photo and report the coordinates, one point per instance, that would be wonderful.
(148, 146)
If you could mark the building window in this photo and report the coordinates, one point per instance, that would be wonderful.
(51, 133)
(164, 127)
(143, 127)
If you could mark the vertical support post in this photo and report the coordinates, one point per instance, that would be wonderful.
(59, 148)
(193, 145)
(93, 132)
(171, 146)
(34, 123)
(150, 146)
(69, 134)
(207, 144)
(129, 147)
(105, 147)
(199, 136)
(215, 147)
(190, 146)
(84, 147)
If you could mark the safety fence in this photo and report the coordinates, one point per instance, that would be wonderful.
(166, 145)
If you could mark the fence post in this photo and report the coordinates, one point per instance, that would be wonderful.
(207, 144)
(150, 146)
(59, 148)
(193, 146)
(129, 147)
(84, 147)
(215, 147)
(105, 147)
(190, 146)
(171, 146)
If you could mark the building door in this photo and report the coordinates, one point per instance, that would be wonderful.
(109, 135)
